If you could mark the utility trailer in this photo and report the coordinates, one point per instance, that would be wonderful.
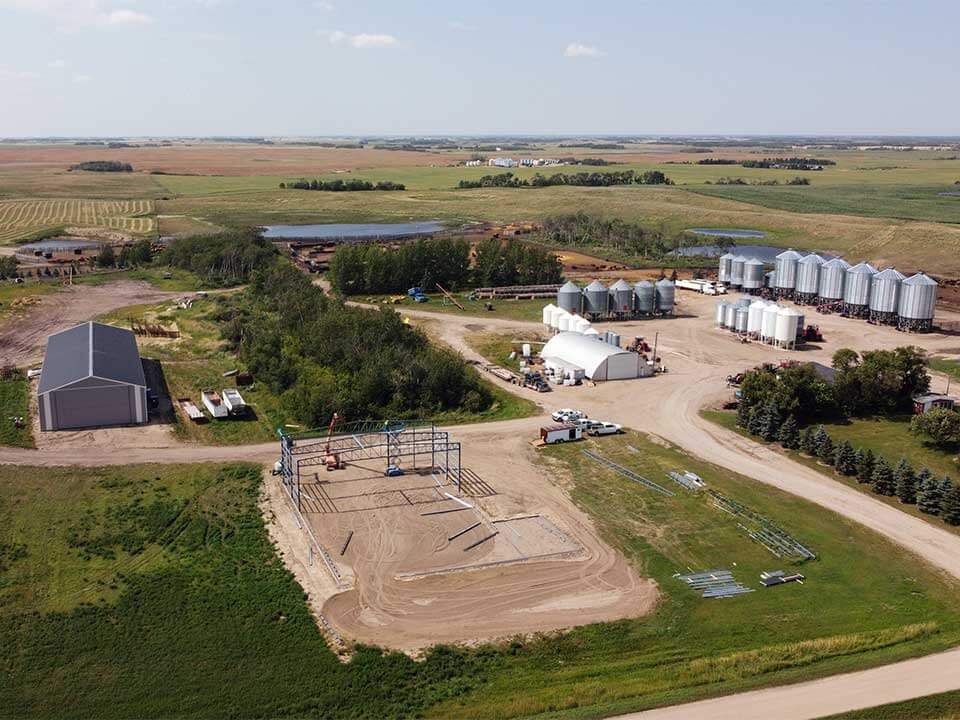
(214, 404)
(234, 401)
(552, 434)
(190, 409)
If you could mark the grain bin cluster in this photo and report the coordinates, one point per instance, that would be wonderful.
(860, 291)
(762, 320)
(620, 301)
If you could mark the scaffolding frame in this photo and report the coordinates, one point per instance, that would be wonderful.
(391, 441)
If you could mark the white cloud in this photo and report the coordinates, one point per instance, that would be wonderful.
(16, 74)
(575, 50)
(127, 17)
(457, 25)
(361, 41)
(323, 5)
(81, 78)
(57, 64)
(72, 15)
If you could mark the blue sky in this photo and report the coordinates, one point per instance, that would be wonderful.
(315, 67)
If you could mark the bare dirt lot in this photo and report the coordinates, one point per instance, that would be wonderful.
(418, 581)
(22, 338)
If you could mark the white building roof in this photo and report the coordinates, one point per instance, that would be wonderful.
(572, 349)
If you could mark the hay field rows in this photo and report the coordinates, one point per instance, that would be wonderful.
(20, 219)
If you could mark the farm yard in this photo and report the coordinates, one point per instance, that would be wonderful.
(23, 219)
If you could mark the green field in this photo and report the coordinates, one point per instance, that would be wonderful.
(15, 402)
(136, 591)
(889, 437)
(528, 310)
(945, 706)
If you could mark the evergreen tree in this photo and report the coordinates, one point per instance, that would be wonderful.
(808, 442)
(845, 459)
(743, 415)
(865, 464)
(755, 425)
(824, 445)
(950, 506)
(883, 477)
(905, 480)
(789, 435)
(770, 424)
(928, 493)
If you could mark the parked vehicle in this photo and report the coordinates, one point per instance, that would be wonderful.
(393, 471)
(605, 428)
(552, 434)
(567, 415)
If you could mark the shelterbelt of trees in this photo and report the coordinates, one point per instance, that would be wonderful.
(221, 260)
(584, 179)
(103, 166)
(341, 185)
(322, 356)
(583, 230)
(367, 268)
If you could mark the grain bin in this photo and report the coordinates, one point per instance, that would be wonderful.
(918, 297)
(736, 270)
(768, 326)
(548, 313)
(596, 299)
(569, 297)
(564, 325)
(580, 325)
(721, 312)
(785, 331)
(555, 317)
(770, 278)
(785, 267)
(645, 295)
(856, 291)
(833, 279)
(752, 275)
(808, 278)
(741, 319)
(621, 297)
(726, 261)
(665, 293)
(885, 296)
(730, 317)
(755, 317)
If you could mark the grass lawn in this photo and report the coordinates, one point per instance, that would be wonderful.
(179, 280)
(864, 602)
(497, 348)
(945, 706)
(890, 437)
(528, 310)
(946, 366)
(15, 402)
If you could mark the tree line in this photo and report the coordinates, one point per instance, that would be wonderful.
(931, 495)
(367, 268)
(584, 179)
(103, 166)
(583, 230)
(321, 356)
(790, 163)
(221, 260)
(727, 180)
(352, 185)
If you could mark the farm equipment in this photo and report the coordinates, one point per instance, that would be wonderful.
(638, 344)
(536, 381)
(417, 294)
(331, 460)
(736, 379)
(813, 334)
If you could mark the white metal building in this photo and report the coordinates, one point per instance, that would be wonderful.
(597, 359)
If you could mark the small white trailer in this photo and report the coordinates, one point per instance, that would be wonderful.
(214, 403)
(234, 401)
(567, 432)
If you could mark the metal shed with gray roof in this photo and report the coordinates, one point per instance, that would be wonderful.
(91, 377)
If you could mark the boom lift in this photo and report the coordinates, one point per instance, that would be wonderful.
(331, 460)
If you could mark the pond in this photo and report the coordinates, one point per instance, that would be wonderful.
(351, 231)
(57, 245)
(728, 232)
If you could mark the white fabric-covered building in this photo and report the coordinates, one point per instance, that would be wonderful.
(597, 359)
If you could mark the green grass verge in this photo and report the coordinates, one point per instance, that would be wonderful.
(15, 402)
(527, 310)
(946, 366)
(497, 348)
(865, 601)
(179, 280)
(887, 436)
(945, 706)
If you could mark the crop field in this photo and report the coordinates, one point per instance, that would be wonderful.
(20, 219)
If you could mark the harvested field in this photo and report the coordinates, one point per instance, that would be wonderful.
(23, 218)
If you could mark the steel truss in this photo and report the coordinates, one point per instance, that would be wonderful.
(391, 441)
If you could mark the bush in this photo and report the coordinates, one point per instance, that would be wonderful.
(940, 425)
(906, 482)
(221, 260)
(106, 257)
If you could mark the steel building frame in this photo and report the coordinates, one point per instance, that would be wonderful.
(391, 441)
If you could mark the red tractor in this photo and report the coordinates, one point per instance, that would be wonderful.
(813, 334)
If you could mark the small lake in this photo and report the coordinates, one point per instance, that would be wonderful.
(728, 232)
(55, 245)
(765, 253)
(350, 231)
